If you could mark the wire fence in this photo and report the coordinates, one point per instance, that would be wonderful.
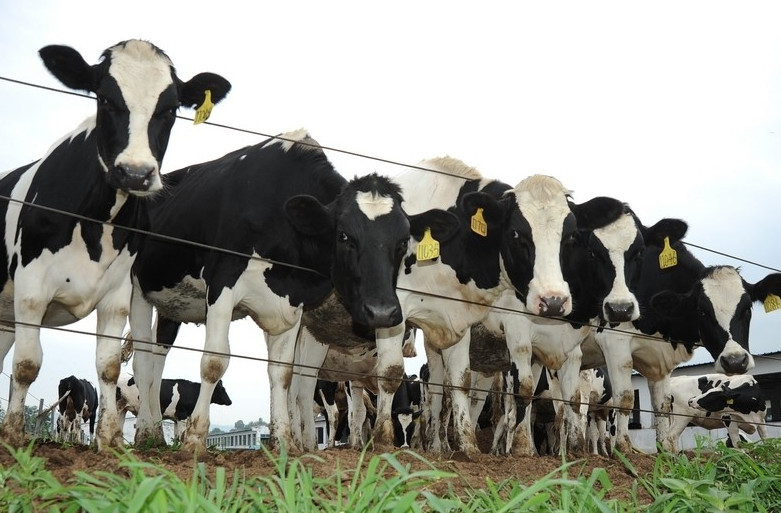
(300, 366)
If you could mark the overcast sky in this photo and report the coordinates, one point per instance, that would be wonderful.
(672, 107)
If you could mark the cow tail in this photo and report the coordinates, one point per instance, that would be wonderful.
(127, 347)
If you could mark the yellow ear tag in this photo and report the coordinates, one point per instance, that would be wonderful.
(668, 257)
(428, 247)
(730, 401)
(478, 223)
(772, 302)
(205, 110)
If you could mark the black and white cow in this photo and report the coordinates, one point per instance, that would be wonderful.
(714, 401)
(601, 267)
(64, 253)
(284, 230)
(177, 399)
(79, 406)
(686, 305)
(511, 239)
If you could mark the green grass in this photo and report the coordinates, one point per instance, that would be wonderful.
(719, 479)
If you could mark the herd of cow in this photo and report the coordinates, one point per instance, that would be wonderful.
(506, 283)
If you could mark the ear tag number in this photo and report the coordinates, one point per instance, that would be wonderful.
(668, 257)
(478, 223)
(205, 110)
(772, 302)
(428, 247)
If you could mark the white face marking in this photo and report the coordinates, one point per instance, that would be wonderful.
(617, 237)
(543, 201)
(405, 419)
(372, 205)
(142, 73)
(724, 288)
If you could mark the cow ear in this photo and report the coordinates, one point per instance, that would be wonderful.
(69, 67)
(770, 284)
(654, 235)
(596, 212)
(672, 304)
(493, 211)
(444, 225)
(308, 215)
(194, 90)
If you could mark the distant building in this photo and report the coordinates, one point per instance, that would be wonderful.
(253, 438)
(250, 438)
(641, 424)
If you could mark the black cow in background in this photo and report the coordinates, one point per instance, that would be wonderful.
(80, 405)
(177, 399)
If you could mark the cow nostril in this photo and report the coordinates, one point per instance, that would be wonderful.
(619, 311)
(550, 306)
(382, 316)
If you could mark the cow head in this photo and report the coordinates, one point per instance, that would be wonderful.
(739, 394)
(721, 301)
(138, 94)
(536, 221)
(220, 396)
(615, 254)
(371, 233)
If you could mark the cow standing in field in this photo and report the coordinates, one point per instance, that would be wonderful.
(284, 231)
(79, 406)
(600, 266)
(714, 401)
(177, 399)
(682, 305)
(64, 252)
(510, 239)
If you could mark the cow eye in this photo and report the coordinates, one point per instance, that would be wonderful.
(402, 245)
(343, 237)
(516, 235)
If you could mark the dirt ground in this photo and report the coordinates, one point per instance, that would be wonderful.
(63, 461)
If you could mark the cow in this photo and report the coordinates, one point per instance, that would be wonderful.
(683, 305)
(65, 253)
(279, 230)
(600, 266)
(177, 399)
(714, 401)
(510, 238)
(79, 406)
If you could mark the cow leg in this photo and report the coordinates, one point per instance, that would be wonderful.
(661, 402)
(456, 359)
(332, 416)
(214, 363)
(521, 441)
(281, 355)
(7, 336)
(310, 355)
(356, 415)
(434, 399)
(28, 355)
(111, 318)
(616, 349)
(148, 363)
(390, 369)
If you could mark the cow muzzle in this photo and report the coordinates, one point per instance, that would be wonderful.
(734, 363)
(136, 179)
(619, 311)
(382, 315)
(552, 306)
